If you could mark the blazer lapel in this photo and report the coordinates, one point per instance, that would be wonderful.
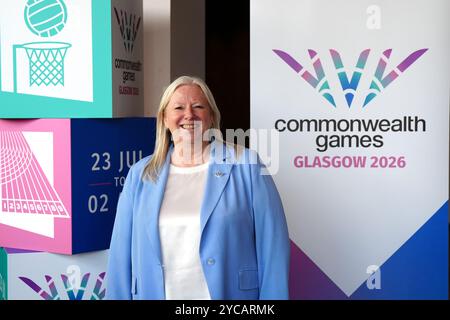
(221, 163)
(155, 193)
(219, 171)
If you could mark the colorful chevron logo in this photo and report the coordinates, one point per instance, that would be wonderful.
(71, 292)
(349, 85)
(129, 27)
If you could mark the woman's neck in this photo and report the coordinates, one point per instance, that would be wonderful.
(189, 155)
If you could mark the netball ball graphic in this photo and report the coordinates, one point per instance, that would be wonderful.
(45, 18)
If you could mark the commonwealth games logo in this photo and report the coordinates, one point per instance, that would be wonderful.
(73, 292)
(129, 26)
(349, 84)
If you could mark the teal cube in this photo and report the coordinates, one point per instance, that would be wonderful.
(71, 59)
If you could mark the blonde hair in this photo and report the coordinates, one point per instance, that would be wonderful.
(163, 135)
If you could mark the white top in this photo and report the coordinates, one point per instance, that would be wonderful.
(179, 230)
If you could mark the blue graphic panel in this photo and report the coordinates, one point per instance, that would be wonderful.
(419, 269)
(102, 152)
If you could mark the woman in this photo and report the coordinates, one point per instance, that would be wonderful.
(197, 219)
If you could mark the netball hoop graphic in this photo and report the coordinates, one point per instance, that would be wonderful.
(28, 199)
(44, 52)
(44, 18)
(46, 62)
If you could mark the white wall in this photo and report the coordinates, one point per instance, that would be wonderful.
(156, 52)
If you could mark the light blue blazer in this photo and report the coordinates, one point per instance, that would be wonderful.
(244, 244)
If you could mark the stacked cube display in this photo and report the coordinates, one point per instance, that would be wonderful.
(72, 124)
